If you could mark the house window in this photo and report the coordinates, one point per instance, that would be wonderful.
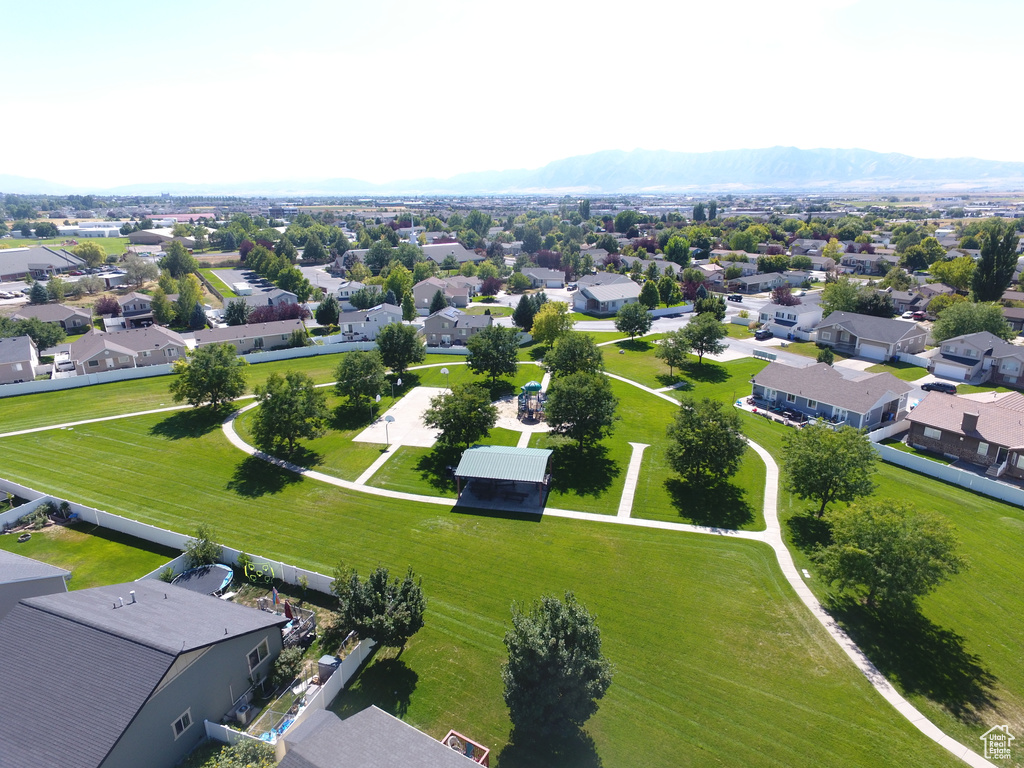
(826, 335)
(790, 398)
(18, 366)
(257, 343)
(284, 337)
(182, 724)
(145, 353)
(983, 449)
(812, 403)
(171, 352)
(933, 434)
(93, 363)
(258, 654)
(124, 360)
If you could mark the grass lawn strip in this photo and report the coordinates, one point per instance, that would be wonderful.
(219, 283)
(688, 679)
(901, 370)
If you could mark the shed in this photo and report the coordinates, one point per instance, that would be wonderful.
(498, 471)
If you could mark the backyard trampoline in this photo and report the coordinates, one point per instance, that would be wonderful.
(206, 579)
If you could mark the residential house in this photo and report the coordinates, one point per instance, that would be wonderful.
(822, 263)
(876, 338)
(604, 293)
(795, 277)
(979, 432)
(368, 738)
(345, 291)
(270, 298)
(96, 351)
(159, 236)
(250, 338)
(746, 268)
(787, 321)
(758, 283)
(19, 359)
(981, 357)
(441, 251)
(906, 301)
(22, 577)
(136, 309)
(821, 391)
(1014, 316)
(129, 675)
(36, 261)
(877, 263)
(365, 324)
(545, 278)
(807, 247)
(71, 319)
(457, 294)
(471, 284)
(449, 327)
(726, 256)
(713, 273)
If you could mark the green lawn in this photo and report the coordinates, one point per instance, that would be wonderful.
(114, 246)
(900, 370)
(901, 446)
(970, 389)
(95, 556)
(735, 331)
(496, 310)
(715, 659)
(810, 349)
(218, 283)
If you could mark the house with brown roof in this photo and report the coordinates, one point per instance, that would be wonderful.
(820, 391)
(72, 319)
(450, 327)
(456, 293)
(979, 432)
(19, 359)
(250, 338)
(96, 351)
(876, 338)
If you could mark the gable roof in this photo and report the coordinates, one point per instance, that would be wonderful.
(872, 328)
(369, 739)
(120, 656)
(235, 333)
(129, 342)
(613, 291)
(543, 273)
(17, 568)
(51, 313)
(988, 342)
(500, 462)
(461, 319)
(16, 349)
(825, 384)
(998, 424)
(21, 260)
(603, 278)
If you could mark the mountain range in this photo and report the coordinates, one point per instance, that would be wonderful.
(774, 169)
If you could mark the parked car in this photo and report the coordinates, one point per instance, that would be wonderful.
(735, 297)
(762, 334)
(939, 386)
(919, 315)
(907, 315)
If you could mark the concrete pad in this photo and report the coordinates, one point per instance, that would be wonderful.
(855, 365)
(408, 427)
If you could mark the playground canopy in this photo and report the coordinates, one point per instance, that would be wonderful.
(532, 386)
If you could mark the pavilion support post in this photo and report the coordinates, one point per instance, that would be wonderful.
(458, 487)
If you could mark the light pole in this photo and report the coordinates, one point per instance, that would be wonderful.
(387, 420)
(399, 383)
(445, 372)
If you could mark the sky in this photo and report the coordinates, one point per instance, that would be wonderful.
(224, 91)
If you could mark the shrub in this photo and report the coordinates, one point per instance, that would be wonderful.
(288, 666)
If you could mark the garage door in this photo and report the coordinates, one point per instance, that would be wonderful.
(873, 351)
(954, 372)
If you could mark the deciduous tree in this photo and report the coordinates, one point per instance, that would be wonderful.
(968, 317)
(178, 261)
(493, 352)
(92, 253)
(705, 333)
(551, 322)
(997, 263)
(674, 349)
(388, 611)
(581, 407)
(399, 347)
(574, 353)
(633, 319)
(463, 415)
(706, 442)
(827, 465)
(212, 374)
(139, 272)
(360, 376)
(649, 295)
(291, 409)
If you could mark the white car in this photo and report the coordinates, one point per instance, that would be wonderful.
(907, 315)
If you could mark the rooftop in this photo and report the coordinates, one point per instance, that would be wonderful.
(825, 384)
(499, 462)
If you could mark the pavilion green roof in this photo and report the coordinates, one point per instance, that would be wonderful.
(500, 462)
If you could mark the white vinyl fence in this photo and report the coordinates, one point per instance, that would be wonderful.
(969, 480)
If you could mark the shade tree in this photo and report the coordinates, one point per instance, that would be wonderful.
(706, 443)
(826, 465)
(211, 375)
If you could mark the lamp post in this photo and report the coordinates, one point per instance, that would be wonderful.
(387, 440)
(399, 383)
(445, 372)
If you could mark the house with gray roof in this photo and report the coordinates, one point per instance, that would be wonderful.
(271, 297)
(22, 577)
(96, 351)
(370, 739)
(365, 324)
(604, 293)
(144, 664)
(457, 294)
(72, 319)
(36, 261)
(249, 338)
(19, 359)
(540, 277)
(451, 327)
(758, 283)
(876, 338)
(980, 357)
(980, 432)
(344, 293)
(820, 391)
(796, 320)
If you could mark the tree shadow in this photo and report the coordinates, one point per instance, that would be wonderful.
(635, 345)
(535, 350)
(436, 466)
(387, 683)
(922, 657)
(195, 422)
(585, 473)
(254, 478)
(707, 372)
(345, 417)
(672, 380)
(723, 505)
(576, 750)
(809, 532)
(499, 389)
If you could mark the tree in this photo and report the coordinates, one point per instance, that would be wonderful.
(668, 291)
(801, 261)
(556, 671)
(673, 349)
(201, 549)
(874, 303)
(551, 322)
(408, 307)
(91, 284)
(197, 320)
(163, 309)
(699, 213)
(829, 465)
(45, 335)
(56, 288)
(494, 352)
(399, 280)
(236, 312)
(783, 296)
(91, 253)
(524, 313)
(711, 305)
(706, 443)
(898, 279)
(38, 294)
(106, 305)
(314, 252)
(826, 356)
(584, 209)
(438, 302)
(967, 317)
(889, 552)
(581, 407)
(139, 272)
(291, 408)
(956, 273)
(388, 611)
(705, 333)
(997, 263)
(649, 295)
(840, 296)
(211, 374)
(190, 291)
(378, 256)
(777, 263)
(328, 311)
(366, 298)
(574, 353)
(201, 237)
(634, 319)
(360, 376)
(399, 347)
(178, 261)
(832, 250)
(463, 415)
(712, 210)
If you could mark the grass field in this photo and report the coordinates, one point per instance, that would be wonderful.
(810, 349)
(95, 556)
(114, 246)
(218, 283)
(736, 331)
(715, 659)
(900, 370)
